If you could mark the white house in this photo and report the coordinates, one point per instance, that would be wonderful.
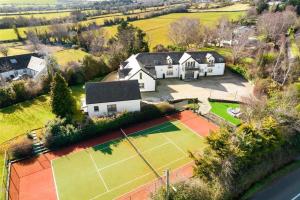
(147, 67)
(15, 67)
(109, 98)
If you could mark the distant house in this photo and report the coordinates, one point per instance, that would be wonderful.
(109, 98)
(27, 65)
(147, 67)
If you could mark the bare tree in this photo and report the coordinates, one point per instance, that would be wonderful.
(59, 31)
(4, 50)
(33, 39)
(98, 42)
(272, 25)
(224, 30)
(240, 41)
(185, 32)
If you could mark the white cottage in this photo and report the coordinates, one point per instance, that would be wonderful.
(15, 67)
(147, 67)
(109, 98)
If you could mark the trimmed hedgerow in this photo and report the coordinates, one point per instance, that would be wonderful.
(59, 133)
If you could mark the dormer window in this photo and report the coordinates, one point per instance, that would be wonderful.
(13, 61)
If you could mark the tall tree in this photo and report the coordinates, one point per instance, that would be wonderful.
(62, 101)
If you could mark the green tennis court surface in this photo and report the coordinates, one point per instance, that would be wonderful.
(114, 168)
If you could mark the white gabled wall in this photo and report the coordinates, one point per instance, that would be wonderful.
(122, 106)
(149, 82)
(162, 69)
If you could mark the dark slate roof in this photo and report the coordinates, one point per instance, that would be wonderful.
(102, 92)
(160, 58)
(15, 62)
(149, 60)
(124, 72)
(200, 56)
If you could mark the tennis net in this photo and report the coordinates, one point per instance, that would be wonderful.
(141, 155)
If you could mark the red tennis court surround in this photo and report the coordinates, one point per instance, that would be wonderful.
(32, 179)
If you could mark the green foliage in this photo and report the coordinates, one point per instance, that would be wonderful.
(93, 68)
(62, 101)
(261, 6)
(191, 190)
(60, 133)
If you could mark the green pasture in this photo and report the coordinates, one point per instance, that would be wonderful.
(156, 28)
(65, 56)
(28, 2)
(220, 109)
(108, 170)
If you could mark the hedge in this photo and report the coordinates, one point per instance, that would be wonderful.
(59, 133)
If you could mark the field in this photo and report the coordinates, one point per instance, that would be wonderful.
(156, 28)
(108, 166)
(65, 56)
(220, 109)
(26, 2)
(234, 7)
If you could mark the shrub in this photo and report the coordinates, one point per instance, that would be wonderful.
(21, 148)
(193, 189)
(59, 133)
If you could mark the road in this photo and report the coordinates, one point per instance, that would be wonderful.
(285, 188)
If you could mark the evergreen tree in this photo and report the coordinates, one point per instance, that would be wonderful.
(62, 101)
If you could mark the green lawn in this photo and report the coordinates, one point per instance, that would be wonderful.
(65, 56)
(220, 109)
(111, 169)
(23, 117)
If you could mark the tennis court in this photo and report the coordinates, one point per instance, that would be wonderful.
(109, 170)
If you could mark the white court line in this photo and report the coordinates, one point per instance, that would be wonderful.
(295, 197)
(171, 141)
(98, 172)
(55, 185)
(132, 180)
(133, 156)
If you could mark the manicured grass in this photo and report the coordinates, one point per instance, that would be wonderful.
(65, 56)
(269, 179)
(220, 109)
(33, 114)
(111, 169)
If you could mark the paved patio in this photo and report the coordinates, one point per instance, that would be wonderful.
(230, 87)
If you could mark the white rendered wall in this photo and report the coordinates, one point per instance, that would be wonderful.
(149, 82)
(162, 69)
(122, 106)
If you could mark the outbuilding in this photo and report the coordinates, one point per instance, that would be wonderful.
(110, 98)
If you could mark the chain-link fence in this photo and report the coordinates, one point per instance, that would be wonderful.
(144, 192)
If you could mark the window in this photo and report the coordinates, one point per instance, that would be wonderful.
(112, 108)
(141, 75)
(169, 72)
(209, 70)
(13, 61)
(142, 85)
(96, 108)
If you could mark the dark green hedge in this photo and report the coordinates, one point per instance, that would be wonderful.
(60, 134)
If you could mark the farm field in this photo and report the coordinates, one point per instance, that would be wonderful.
(220, 109)
(26, 2)
(65, 56)
(234, 7)
(156, 28)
